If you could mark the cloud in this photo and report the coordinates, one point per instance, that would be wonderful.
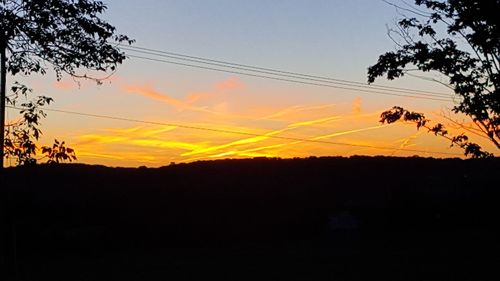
(258, 151)
(164, 144)
(188, 103)
(218, 89)
(314, 122)
(137, 144)
(336, 134)
(219, 150)
(260, 137)
(151, 93)
(142, 131)
(356, 105)
(100, 139)
(198, 96)
(178, 104)
(122, 135)
(293, 110)
(82, 153)
(244, 141)
(409, 141)
(229, 84)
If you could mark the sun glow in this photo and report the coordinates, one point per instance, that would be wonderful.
(223, 121)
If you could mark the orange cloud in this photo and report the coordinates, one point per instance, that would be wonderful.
(266, 150)
(225, 85)
(194, 97)
(82, 153)
(164, 144)
(184, 104)
(356, 105)
(314, 122)
(140, 131)
(229, 84)
(293, 110)
(260, 138)
(101, 139)
(121, 136)
(346, 132)
(409, 141)
(244, 141)
(155, 95)
(157, 145)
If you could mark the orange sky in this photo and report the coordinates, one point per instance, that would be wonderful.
(275, 118)
(278, 129)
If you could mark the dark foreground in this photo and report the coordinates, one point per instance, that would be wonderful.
(359, 218)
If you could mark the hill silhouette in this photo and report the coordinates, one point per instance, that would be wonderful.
(270, 219)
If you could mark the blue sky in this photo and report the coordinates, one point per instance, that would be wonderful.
(335, 38)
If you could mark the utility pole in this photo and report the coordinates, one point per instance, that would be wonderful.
(5, 257)
(3, 79)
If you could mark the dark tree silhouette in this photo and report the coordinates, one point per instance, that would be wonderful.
(21, 135)
(467, 53)
(65, 35)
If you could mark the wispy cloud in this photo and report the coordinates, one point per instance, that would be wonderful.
(409, 141)
(293, 110)
(272, 150)
(83, 153)
(262, 137)
(232, 83)
(193, 100)
(314, 122)
(164, 144)
(99, 139)
(356, 105)
(244, 141)
(347, 132)
(136, 144)
(150, 92)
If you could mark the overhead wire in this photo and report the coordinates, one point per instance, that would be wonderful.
(277, 71)
(288, 80)
(292, 76)
(235, 132)
(280, 72)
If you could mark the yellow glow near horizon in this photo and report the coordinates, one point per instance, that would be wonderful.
(149, 139)
(312, 129)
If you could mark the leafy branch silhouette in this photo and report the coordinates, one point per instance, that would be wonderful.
(21, 136)
(460, 40)
(398, 113)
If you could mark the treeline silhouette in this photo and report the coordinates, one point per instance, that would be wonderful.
(365, 206)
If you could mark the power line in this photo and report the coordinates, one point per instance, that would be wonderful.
(287, 80)
(234, 132)
(289, 76)
(277, 71)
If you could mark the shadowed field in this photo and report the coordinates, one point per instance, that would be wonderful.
(358, 218)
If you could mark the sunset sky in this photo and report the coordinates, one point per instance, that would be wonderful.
(198, 112)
